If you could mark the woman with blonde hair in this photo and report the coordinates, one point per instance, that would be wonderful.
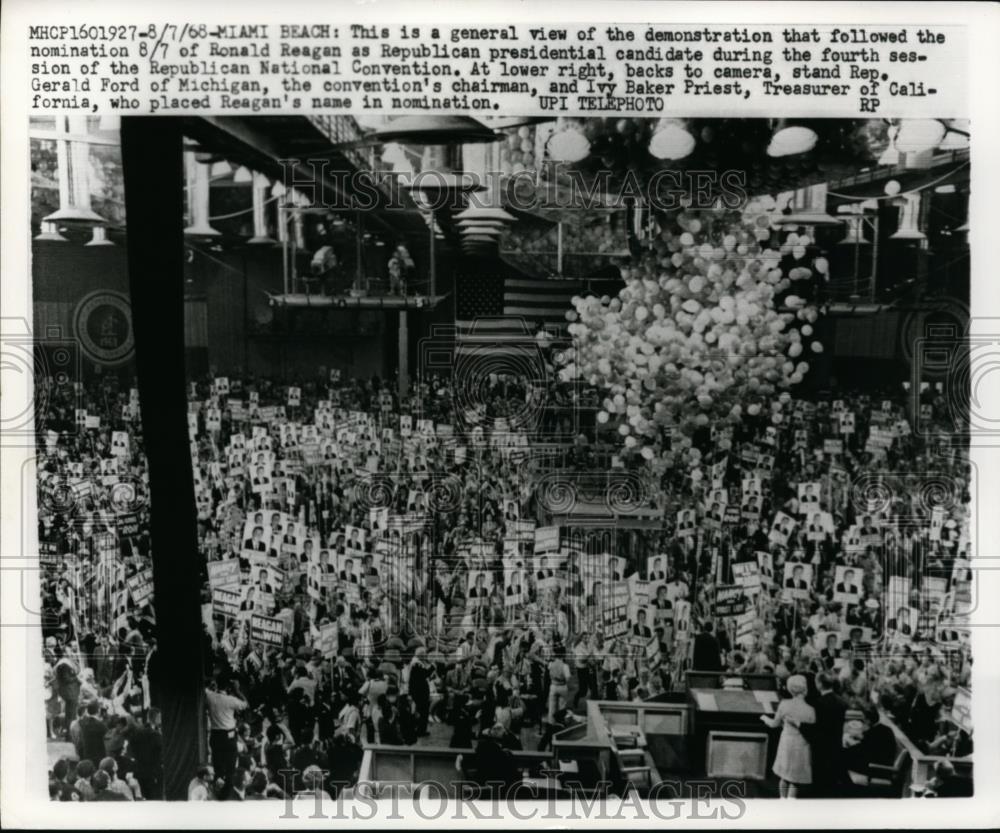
(792, 762)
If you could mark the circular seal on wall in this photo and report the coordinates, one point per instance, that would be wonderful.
(103, 326)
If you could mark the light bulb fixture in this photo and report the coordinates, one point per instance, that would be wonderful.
(568, 145)
(206, 157)
(672, 140)
(498, 224)
(261, 184)
(791, 138)
(73, 169)
(243, 175)
(436, 130)
(99, 237)
(198, 202)
(890, 156)
(201, 230)
(50, 233)
(855, 232)
(433, 181)
(475, 212)
(73, 215)
(909, 228)
(809, 209)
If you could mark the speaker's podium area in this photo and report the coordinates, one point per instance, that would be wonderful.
(707, 741)
(677, 748)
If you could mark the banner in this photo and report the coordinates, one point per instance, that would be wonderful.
(547, 539)
(266, 629)
(224, 573)
(730, 600)
(226, 601)
(141, 586)
(328, 640)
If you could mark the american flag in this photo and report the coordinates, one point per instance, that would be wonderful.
(498, 313)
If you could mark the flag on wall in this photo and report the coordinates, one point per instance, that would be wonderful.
(497, 313)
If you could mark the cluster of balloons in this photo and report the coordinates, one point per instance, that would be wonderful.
(698, 340)
(580, 233)
(517, 151)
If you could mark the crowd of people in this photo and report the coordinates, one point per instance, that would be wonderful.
(378, 571)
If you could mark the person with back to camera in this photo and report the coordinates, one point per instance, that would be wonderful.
(792, 763)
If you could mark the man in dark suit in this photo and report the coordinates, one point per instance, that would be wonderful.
(92, 732)
(640, 628)
(348, 574)
(828, 656)
(661, 602)
(256, 542)
(877, 744)
(262, 584)
(826, 737)
(419, 689)
(236, 791)
(796, 581)
(491, 763)
(707, 654)
(146, 745)
(847, 585)
(479, 591)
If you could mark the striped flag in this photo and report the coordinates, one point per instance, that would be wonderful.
(499, 314)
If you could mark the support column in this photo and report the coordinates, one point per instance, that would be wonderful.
(154, 200)
(404, 356)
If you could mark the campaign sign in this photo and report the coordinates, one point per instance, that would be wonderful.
(266, 629)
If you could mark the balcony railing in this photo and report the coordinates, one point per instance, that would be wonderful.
(341, 130)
